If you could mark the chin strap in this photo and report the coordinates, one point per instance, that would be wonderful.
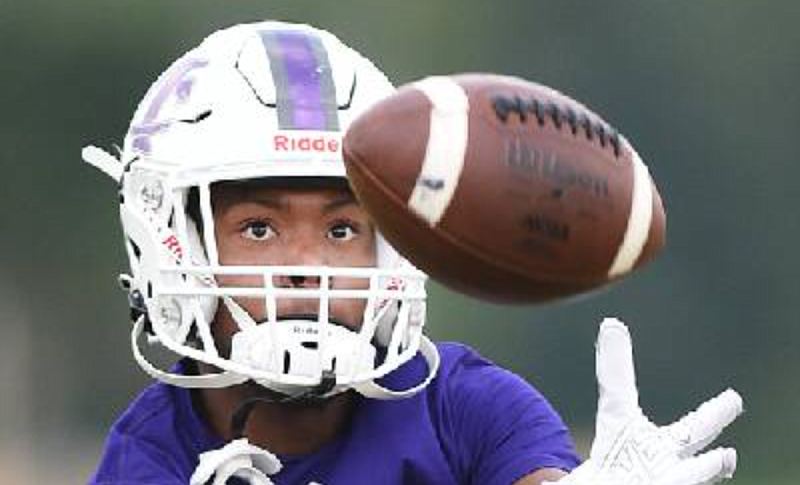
(241, 459)
(314, 395)
(207, 381)
(368, 389)
(375, 391)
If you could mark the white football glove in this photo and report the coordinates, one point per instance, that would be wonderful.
(630, 450)
(238, 458)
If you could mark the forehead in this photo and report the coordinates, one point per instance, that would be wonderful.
(282, 191)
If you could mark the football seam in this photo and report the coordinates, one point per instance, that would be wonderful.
(469, 249)
(602, 130)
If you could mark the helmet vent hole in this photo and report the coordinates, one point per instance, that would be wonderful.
(149, 290)
(200, 117)
(135, 248)
(310, 345)
(287, 362)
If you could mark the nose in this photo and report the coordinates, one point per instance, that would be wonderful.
(297, 281)
(305, 251)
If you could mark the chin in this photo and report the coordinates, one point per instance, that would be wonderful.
(256, 391)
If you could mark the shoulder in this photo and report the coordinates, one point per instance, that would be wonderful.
(499, 426)
(480, 391)
(156, 440)
(463, 371)
(134, 448)
(153, 408)
(457, 358)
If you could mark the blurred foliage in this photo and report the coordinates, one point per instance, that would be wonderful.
(705, 90)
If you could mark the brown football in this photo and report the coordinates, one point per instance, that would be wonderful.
(504, 189)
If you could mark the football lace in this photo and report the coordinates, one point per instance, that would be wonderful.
(526, 109)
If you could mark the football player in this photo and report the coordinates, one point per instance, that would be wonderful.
(298, 328)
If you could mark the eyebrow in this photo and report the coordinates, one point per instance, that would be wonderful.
(270, 202)
(339, 202)
(279, 202)
(230, 202)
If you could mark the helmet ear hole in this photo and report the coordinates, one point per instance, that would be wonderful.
(134, 255)
(135, 251)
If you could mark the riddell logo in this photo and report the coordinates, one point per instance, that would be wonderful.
(318, 143)
(173, 245)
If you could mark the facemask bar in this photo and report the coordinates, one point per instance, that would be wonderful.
(197, 289)
(377, 295)
(405, 336)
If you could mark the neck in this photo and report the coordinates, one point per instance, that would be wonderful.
(282, 428)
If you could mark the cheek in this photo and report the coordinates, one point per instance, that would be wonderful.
(254, 306)
(222, 329)
(360, 253)
(238, 252)
(239, 281)
(349, 312)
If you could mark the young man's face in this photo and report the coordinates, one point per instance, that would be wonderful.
(263, 225)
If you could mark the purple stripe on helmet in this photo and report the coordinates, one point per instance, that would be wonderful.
(305, 94)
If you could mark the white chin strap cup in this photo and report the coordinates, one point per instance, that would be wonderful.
(228, 378)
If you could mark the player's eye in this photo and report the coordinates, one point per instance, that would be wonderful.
(258, 230)
(342, 231)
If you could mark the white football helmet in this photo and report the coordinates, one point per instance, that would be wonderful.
(255, 101)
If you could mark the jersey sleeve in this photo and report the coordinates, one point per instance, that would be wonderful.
(501, 427)
(129, 460)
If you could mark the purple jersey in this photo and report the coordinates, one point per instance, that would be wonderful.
(474, 424)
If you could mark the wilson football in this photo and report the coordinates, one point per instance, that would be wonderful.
(504, 189)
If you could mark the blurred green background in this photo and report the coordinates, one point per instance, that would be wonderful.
(706, 89)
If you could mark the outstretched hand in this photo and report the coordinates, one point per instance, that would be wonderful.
(629, 449)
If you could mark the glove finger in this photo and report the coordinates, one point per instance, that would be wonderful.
(210, 461)
(222, 478)
(697, 429)
(705, 469)
(267, 463)
(230, 468)
(616, 377)
(253, 476)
